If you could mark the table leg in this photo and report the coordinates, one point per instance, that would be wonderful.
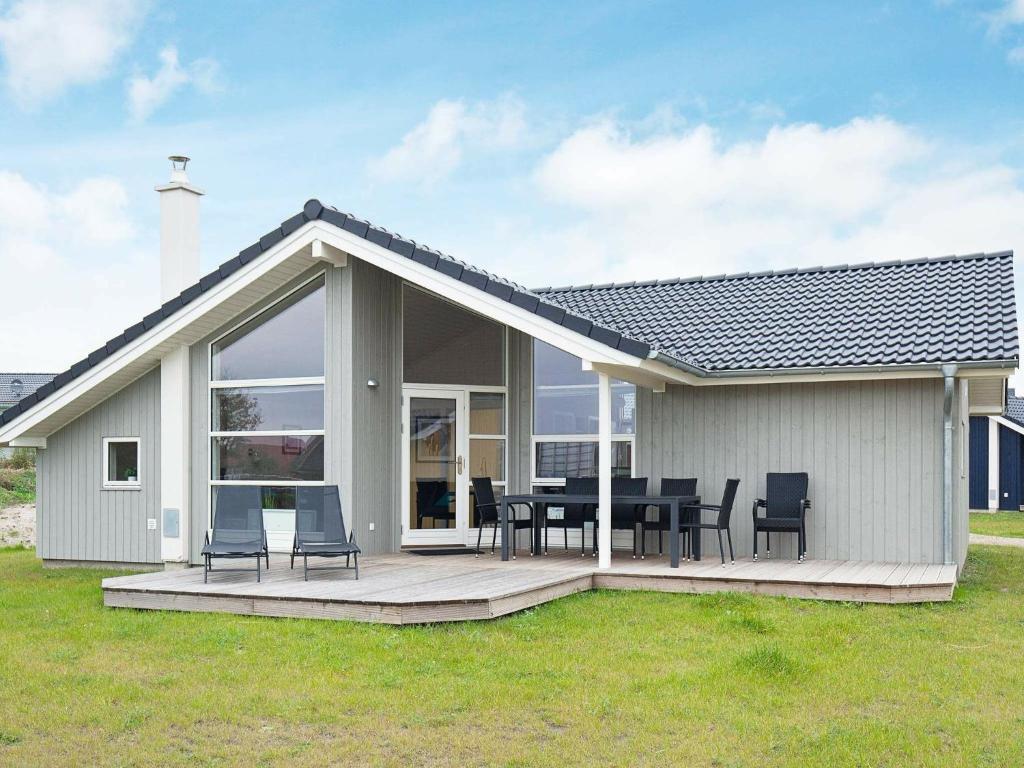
(535, 513)
(673, 534)
(695, 533)
(503, 521)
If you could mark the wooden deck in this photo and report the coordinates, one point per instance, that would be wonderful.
(411, 589)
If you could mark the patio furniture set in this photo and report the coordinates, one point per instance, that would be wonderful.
(678, 509)
(238, 531)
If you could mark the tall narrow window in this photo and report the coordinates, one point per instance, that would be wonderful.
(267, 398)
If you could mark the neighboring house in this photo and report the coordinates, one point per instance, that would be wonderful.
(997, 458)
(333, 351)
(14, 387)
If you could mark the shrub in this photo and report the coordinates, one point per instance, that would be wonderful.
(21, 458)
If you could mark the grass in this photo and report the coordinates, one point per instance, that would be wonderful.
(998, 524)
(17, 486)
(600, 678)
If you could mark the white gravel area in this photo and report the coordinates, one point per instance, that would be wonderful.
(18, 525)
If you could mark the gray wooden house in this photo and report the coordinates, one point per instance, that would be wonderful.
(334, 351)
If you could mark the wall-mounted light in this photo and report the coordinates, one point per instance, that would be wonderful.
(372, 383)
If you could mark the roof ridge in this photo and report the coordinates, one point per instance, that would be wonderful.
(778, 272)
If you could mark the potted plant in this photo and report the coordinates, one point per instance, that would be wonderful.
(131, 475)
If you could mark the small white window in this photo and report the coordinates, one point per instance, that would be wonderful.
(121, 462)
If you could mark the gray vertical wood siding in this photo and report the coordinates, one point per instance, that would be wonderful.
(77, 518)
(873, 450)
(374, 442)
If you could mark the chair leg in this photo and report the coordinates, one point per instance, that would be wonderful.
(643, 543)
(728, 535)
(721, 547)
(206, 569)
(565, 536)
(258, 558)
(755, 545)
(768, 544)
(305, 567)
(494, 536)
(479, 533)
(512, 540)
(661, 550)
(355, 557)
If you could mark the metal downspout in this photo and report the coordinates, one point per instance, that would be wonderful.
(949, 391)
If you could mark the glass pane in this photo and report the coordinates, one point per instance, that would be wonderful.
(268, 408)
(487, 459)
(445, 344)
(565, 396)
(558, 460)
(123, 462)
(278, 497)
(268, 458)
(285, 341)
(432, 446)
(486, 413)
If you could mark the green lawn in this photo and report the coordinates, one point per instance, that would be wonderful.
(17, 486)
(998, 524)
(601, 678)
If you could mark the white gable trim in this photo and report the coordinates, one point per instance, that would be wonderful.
(168, 331)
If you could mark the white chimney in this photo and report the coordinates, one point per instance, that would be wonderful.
(179, 231)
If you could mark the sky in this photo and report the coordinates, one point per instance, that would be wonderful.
(552, 143)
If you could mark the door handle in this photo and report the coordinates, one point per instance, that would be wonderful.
(459, 465)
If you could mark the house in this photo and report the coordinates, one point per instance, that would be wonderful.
(997, 458)
(334, 351)
(15, 386)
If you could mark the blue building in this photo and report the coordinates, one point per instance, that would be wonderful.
(997, 458)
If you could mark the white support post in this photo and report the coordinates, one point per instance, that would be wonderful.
(604, 487)
(174, 456)
(993, 464)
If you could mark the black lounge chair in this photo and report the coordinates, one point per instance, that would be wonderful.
(237, 528)
(487, 512)
(626, 516)
(721, 523)
(320, 530)
(670, 486)
(785, 505)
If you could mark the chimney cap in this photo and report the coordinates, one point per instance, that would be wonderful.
(178, 164)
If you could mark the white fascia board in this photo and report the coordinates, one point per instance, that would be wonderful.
(1008, 424)
(474, 299)
(163, 332)
(28, 442)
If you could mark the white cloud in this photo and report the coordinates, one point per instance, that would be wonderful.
(437, 146)
(1010, 14)
(686, 202)
(1016, 55)
(50, 45)
(147, 94)
(73, 271)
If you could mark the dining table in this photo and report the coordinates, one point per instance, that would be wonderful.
(537, 501)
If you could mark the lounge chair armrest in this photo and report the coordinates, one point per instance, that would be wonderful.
(206, 536)
(352, 538)
(488, 504)
(805, 504)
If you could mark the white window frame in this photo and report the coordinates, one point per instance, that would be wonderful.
(214, 385)
(122, 485)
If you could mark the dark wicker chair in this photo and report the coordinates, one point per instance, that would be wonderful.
(670, 486)
(320, 529)
(721, 523)
(432, 501)
(575, 515)
(625, 516)
(785, 505)
(237, 528)
(487, 512)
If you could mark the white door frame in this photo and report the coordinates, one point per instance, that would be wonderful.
(459, 533)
